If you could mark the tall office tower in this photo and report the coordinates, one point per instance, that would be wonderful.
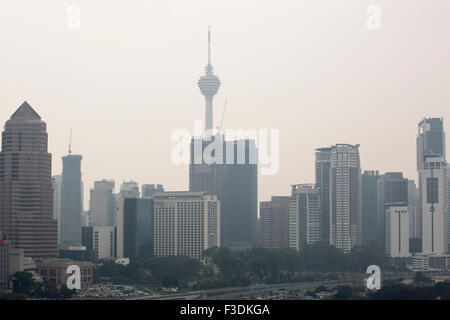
(102, 204)
(56, 185)
(100, 240)
(129, 189)
(148, 190)
(448, 205)
(273, 223)
(430, 139)
(71, 205)
(415, 226)
(134, 227)
(304, 210)
(209, 85)
(397, 231)
(392, 188)
(185, 223)
(434, 203)
(233, 178)
(345, 197)
(4, 263)
(369, 181)
(323, 163)
(26, 194)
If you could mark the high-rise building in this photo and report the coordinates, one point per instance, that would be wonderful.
(185, 223)
(430, 139)
(273, 223)
(102, 204)
(433, 196)
(323, 165)
(209, 85)
(345, 197)
(4, 263)
(56, 185)
(304, 209)
(369, 181)
(397, 231)
(415, 225)
(392, 188)
(148, 190)
(233, 178)
(101, 240)
(71, 203)
(129, 189)
(134, 227)
(26, 194)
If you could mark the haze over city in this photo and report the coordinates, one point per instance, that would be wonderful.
(128, 78)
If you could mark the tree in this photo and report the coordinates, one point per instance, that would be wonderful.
(65, 292)
(421, 279)
(343, 293)
(23, 282)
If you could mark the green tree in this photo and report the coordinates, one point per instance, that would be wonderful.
(343, 293)
(23, 282)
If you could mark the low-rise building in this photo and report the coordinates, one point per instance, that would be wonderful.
(55, 270)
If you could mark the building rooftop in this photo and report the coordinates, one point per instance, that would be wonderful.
(25, 112)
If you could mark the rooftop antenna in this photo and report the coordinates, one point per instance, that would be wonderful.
(70, 141)
(219, 127)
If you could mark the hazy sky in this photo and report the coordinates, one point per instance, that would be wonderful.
(128, 77)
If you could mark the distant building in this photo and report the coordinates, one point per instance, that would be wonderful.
(135, 227)
(55, 271)
(345, 197)
(430, 139)
(18, 261)
(369, 181)
(323, 166)
(129, 189)
(4, 263)
(273, 227)
(71, 203)
(397, 231)
(148, 190)
(304, 209)
(102, 204)
(101, 240)
(78, 254)
(26, 194)
(392, 188)
(433, 196)
(185, 223)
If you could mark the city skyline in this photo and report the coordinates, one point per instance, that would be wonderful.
(294, 70)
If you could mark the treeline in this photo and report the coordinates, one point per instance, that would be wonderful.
(224, 267)
(24, 287)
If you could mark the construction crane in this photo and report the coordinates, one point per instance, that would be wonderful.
(219, 127)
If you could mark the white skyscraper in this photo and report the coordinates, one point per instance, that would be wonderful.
(209, 85)
(345, 197)
(102, 204)
(434, 204)
(185, 223)
(304, 209)
(397, 231)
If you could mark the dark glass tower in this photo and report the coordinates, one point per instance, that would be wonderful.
(233, 178)
(26, 195)
(323, 165)
(369, 181)
(71, 202)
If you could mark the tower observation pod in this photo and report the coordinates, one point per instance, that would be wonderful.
(209, 85)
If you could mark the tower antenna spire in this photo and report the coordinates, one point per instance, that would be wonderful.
(209, 44)
(70, 141)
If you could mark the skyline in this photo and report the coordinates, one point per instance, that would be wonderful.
(400, 98)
